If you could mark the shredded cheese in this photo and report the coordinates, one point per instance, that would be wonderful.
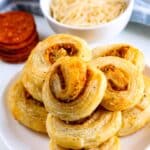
(86, 12)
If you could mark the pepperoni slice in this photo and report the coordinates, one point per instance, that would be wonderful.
(18, 57)
(16, 47)
(16, 27)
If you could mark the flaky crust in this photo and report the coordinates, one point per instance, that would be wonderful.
(111, 144)
(25, 109)
(73, 89)
(125, 85)
(92, 132)
(137, 117)
(121, 50)
(45, 54)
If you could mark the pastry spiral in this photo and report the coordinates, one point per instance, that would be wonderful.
(73, 89)
(88, 133)
(137, 117)
(45, 54)
(125, 51)
(25, 109)
(125, 84)
(111, 144)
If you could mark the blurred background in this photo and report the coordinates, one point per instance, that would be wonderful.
(141, 13)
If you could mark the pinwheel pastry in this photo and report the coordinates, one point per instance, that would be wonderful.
(86, 133)
(45, 54)
(125, 51)
(25, 109)
(137, 117)
(125, 85)
(73, 89)
(111, 144)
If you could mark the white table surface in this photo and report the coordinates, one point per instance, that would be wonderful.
(135, 34)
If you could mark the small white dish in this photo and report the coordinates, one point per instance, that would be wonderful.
(94, 33)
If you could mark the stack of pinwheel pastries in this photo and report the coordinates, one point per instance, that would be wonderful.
(83, 99)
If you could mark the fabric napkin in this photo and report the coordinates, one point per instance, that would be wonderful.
(141, 12)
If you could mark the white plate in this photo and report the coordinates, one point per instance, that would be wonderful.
(17, 137)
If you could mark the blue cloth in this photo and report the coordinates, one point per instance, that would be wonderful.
(141, 12)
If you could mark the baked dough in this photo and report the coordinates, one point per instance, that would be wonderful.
(45, 54)
(73, 89)
(125, 85)
(92, 132)
(25, 109)
(111, 144)
(122, 50)
(137, 117)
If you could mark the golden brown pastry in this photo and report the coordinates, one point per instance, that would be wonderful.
(86, 133)
(73, 89)
(137, 117)
(125, 51)
(25, 109)
(111, 144)
(125, 83)
(45, 54)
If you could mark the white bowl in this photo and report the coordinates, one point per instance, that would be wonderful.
(94, 33)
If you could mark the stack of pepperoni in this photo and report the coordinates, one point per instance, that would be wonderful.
(18, 36)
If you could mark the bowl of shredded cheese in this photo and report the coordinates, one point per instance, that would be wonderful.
(93, 20)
